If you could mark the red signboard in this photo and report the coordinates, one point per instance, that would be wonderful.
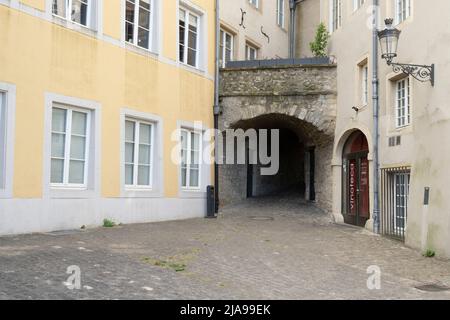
(352, 188)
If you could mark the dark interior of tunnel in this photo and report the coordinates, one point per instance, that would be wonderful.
(294, 146)
(291, 174)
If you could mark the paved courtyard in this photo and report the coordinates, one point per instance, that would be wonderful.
(261, 249)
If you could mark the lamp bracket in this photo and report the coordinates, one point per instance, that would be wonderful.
(422, 73)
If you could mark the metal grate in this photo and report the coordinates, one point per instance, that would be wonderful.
(395, 201)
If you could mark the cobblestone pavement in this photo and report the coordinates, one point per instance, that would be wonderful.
(261, 249)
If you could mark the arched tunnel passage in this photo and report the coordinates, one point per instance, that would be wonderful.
(304, 158)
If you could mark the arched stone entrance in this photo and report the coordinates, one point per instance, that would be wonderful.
(300, 102)
(355, 184)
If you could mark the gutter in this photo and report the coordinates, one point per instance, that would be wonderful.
(376, 129)
(216, 108)
(292, 26)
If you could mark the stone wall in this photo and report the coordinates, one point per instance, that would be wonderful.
(299, 98)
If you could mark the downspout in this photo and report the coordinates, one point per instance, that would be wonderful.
(292, 6)
(216, 107)
(292, 26)
(376, 108)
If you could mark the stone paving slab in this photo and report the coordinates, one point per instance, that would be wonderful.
(296, 253)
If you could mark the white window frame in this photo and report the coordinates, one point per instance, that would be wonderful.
(188, 187)
(248, 48)
(406, 185)
(281, 15)
(223, 48)
(365, 84)
(184, 59)
(335, 15)
(254, 3)
(403, 10)
(357, 4)
(137, 123)
(68, 15)
(7, 133)
(157, 166)
(92, 189)
(403, 103)
(136, 24)
(67, 148)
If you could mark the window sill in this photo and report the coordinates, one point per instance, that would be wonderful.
(139, 50)
(74, 26)
(5, 194)
(404, 129)
(282, 28)
(188, 67)
(192, 193)
(130, 192)
(71, 193)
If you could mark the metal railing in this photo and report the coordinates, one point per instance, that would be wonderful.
(395, 201)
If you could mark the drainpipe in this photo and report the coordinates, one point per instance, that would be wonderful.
(216, 108)
(376, 108)
(293, 8)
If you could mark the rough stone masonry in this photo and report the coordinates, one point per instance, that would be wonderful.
(299, 99)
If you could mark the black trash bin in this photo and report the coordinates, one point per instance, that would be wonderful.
(210, 202)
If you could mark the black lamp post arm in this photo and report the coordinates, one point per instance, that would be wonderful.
(421, 73)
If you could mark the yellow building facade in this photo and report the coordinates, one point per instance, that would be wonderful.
(93, 93)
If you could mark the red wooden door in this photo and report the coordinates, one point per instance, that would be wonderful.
(356, 186)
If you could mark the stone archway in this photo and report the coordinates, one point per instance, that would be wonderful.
(300, 101)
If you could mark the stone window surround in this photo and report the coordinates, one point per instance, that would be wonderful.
(94, 166)
(10, 114)
(158, 155)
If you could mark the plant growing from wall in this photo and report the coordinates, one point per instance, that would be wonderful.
(320, 43)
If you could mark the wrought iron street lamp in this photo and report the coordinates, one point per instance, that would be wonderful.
(389, 44)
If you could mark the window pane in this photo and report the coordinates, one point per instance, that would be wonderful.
(129, 11)
(143, 38)
(144, 4)
(79, 11)
(129, 152)
(59, 7)
(228, 41)
(129, 130)
(78, 148)
(59, 120)
(129, 27)
(183, 177)
(144, 17)
(58, 145)
(129, 21)
(76, 172)
(144, 176)
(195, 141)
(145, 134)
(57, 171)
(194, 177)
(129, 169)
(192, 40)
(182, 30)
(195, 157)
(184, 137)
(79, 123)
(192, 57)
(182, 16)
(144, 154)
(193, 20)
